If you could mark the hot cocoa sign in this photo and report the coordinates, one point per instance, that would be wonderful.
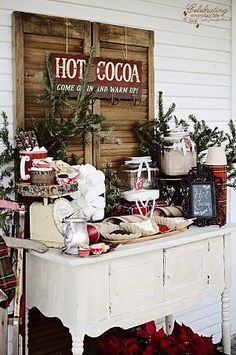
(121, 79)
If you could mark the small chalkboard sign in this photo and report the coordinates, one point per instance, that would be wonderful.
(203, 200)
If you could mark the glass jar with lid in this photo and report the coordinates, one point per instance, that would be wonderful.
(138, 173)
(178, 153)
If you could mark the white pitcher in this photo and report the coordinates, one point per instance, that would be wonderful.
(75, 231)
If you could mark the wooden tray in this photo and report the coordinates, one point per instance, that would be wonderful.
(52, 191)
(143, 239)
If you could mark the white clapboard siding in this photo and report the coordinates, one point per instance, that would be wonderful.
(6, 34)
(193, 41)
(6, 82)
(197, 103)
(194, 90)
(192, 68)
(166, 76)
(6, 97)
(5, 67)
(212, 115)
(198, 66)
(5, 50)
(166, 50)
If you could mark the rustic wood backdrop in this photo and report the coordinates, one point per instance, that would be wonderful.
(34, 35)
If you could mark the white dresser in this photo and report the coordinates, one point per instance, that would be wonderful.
(133, 284)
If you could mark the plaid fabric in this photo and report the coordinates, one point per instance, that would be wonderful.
(7, 276)
(220, 174)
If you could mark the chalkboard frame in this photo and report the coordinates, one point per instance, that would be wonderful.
(213, 202)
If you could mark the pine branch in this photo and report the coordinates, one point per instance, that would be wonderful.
(113, 193)
(150, 134)
(56, 132)
(6, 173)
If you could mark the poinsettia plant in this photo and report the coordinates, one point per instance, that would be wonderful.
(147, 340)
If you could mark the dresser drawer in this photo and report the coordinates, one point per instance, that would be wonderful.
(136, 283)
(192, 267)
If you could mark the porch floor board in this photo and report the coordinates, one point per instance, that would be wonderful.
(233, 347)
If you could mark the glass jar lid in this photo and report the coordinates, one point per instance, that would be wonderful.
(176, 132)
(138, 160)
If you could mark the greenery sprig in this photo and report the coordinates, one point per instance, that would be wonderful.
(150, 136)
(113, 193)
(6, 172)
(6, 159)
(66, 118)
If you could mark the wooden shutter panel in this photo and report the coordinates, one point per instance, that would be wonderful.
(34, 36)
(115, 42)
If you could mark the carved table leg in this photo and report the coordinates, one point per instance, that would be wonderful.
(77, 344)
(169, 320)
(225, 299)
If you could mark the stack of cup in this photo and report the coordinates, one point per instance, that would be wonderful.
(216, 159)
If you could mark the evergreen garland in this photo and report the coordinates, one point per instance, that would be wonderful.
(150, 136)
(113, 193)
(231, 153)
(56, 132)
(6, 159)
(202, 135)
(6, 173)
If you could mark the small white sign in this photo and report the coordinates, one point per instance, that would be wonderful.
(197, 13)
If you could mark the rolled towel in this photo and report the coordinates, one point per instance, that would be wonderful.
(80, 201)
(96, 178)
(91, 195)
(86, 170)
(98, 215)
(94, 192)
(100, 188)
(83, 186)
(88, 210)
(99, 202)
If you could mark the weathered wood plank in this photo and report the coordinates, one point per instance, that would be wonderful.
(41, 41)
(120, 42)
(40, 34)
(116, 34)
(97, 104)
(18, 69)
(54, 26)
(151, 94)
(3, 331)
(25, 244)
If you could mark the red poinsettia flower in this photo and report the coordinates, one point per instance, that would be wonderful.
(191, 342)
(110, 345)
(146, 330)
(146, 340)
(130, 347)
